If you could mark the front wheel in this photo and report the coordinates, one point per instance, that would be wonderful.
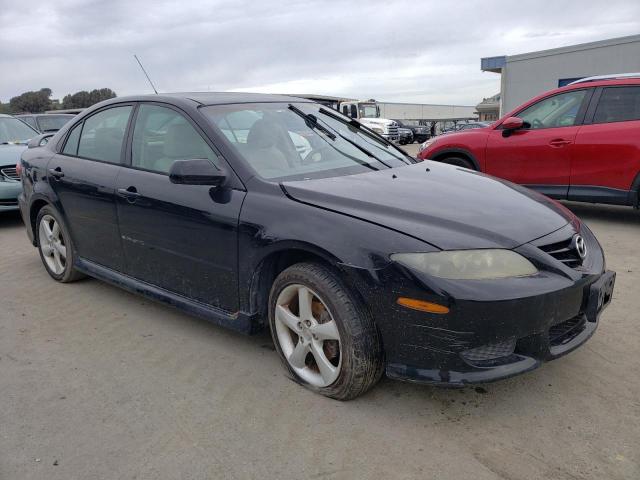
(325, 338)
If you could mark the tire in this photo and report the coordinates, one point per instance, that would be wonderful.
(356, 355)
(55, 246)
(458, 162)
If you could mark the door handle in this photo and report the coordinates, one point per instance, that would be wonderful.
(130, 193)
(56, 172)
(559, 142)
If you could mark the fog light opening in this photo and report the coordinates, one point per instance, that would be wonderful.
(422, 305)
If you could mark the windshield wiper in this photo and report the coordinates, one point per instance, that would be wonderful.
(312, 121)
(363, 150)
(365, 131)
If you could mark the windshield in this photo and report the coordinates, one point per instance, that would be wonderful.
(368, 110)
(13, 130)
(298, 141)
(52, 123)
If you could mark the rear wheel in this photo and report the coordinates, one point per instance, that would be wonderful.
(458, 162)
(55, 247)
(324, 337)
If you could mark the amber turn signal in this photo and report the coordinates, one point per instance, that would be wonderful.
(422, 305)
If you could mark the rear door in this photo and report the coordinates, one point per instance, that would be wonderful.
(606, 156)
(182, 238)
(83, 176)
(539, 155)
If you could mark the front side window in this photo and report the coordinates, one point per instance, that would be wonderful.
(103, 134)
(557, 111)
(308, 141)
(161, 136)
(368, 111)
(618, 104)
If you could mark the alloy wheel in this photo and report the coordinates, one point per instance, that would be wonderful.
(308, 335)
(52, 244)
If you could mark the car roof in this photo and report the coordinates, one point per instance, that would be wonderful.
(218, 98)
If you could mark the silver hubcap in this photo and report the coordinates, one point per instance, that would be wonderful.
(52, 244)
(308, 335)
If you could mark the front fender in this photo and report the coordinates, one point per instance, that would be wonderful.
(272, 224)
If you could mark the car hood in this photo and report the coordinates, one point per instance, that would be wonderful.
(10, 154)
(445, 206)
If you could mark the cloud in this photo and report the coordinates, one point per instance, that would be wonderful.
(400, 50)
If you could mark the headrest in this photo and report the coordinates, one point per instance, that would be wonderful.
(263, 134)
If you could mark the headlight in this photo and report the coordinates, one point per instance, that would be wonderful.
(428, 143)
(378, 130)
(468, 264)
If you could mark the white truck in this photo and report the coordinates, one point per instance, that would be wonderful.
(367, 112)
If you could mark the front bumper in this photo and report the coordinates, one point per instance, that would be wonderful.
(494, 328)
(9, 192)
(551, 338)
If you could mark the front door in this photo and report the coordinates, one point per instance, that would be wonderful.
(539, 155)
(182, 238)
(83, 176)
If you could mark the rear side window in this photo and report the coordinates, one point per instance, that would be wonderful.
(103, 134)
(71, 147)
(557, 111)
(161, 136)
(618, 104)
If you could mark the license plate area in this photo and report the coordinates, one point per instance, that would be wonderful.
(600, 295)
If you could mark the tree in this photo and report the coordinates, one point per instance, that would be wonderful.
(33, 102)
(84, 99)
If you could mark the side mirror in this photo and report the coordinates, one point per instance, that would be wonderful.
(40, 140)
(197, 171)
(512, 123)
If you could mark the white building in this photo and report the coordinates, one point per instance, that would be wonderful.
(526, 75)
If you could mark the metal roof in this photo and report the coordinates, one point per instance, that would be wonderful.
(611, 76)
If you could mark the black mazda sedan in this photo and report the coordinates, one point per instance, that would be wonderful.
(258, 210)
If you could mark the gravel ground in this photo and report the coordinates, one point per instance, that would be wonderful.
(96, 383)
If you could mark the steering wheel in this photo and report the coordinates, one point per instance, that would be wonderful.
(535, 123)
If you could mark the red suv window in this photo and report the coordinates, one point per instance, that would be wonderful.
(618, 104)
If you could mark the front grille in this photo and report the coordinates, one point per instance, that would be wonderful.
(490, 351)
(564, 252)
(10, 173)
(566, 331)
(8, 203)
(393, 130)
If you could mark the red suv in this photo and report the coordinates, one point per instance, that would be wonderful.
(580, 142)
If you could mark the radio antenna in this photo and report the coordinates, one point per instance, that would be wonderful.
(145, 73)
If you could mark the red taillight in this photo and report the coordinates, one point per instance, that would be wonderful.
(19, 168)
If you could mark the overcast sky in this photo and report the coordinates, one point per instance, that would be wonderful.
(406, 51)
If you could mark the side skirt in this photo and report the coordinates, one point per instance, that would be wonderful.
(239, 321)
(587, 193)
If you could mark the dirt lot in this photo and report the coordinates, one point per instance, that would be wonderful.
(96, 383)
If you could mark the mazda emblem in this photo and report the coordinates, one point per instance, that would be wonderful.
(580, 245)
